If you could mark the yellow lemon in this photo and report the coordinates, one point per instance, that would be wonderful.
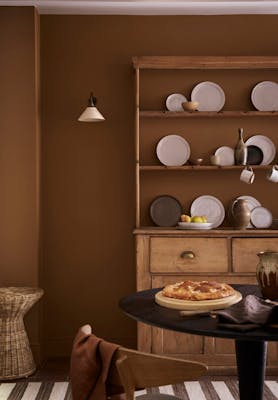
(204, 218)
(196, 218)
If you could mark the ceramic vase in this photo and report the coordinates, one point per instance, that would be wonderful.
(240, 149)
(241, 214)
(267, 274)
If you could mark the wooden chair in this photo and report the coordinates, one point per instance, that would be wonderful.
(131, 370)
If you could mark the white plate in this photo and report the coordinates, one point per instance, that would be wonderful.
(251, 203)
(195, 225)
(173, 150)
(209, 95)
(209, 206)
(266, 145)
(261, 217)
(174, 102)
(264, 96)
(226, 155)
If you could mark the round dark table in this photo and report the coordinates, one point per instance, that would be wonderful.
(251, 346)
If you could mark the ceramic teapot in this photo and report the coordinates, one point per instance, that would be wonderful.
(267, 274)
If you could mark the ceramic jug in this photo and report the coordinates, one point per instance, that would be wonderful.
(267, 274)
(241, 214)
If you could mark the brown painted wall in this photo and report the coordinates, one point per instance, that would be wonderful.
(88, 169)
(19, 153)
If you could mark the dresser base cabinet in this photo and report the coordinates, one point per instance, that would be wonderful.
(220, 255)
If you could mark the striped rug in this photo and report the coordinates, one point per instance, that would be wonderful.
(202, 390)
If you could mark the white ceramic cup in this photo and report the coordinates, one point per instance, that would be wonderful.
(247, 175)
(273, 174)
(215, 160)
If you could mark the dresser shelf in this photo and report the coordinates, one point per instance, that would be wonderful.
(201, 167)
(206, 114)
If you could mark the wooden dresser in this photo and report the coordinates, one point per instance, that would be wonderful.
(168, 255)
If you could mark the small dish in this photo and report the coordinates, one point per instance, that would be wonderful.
(195, 225)
(190, 105)
(195, 161)
(226, 155)
(174, 102)
(261, 217)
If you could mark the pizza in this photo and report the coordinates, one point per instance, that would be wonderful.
(193, 290)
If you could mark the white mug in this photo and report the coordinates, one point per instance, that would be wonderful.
(273, 174)
(215, 160)
(247, 175)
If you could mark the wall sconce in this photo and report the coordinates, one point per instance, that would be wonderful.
(91, 113)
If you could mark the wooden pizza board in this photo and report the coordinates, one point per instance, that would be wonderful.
(197, 305)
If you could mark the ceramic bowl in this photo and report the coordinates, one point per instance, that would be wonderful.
(196, 161)
(190, 105)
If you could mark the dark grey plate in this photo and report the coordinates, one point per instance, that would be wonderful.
(254, 155)
(165, 210)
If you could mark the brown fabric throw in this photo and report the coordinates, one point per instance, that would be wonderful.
(89, 366)
(249, 313)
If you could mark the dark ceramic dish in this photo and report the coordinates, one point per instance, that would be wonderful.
(254, 155)
(165, 210)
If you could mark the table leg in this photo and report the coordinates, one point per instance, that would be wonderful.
(251, 361)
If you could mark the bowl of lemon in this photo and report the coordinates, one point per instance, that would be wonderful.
(194, 222)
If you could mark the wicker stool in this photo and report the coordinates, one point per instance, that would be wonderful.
(16, 359)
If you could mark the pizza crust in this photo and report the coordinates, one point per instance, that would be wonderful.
(198, 290)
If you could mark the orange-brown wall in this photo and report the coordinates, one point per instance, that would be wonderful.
(88, 169)
(88, 184)
(19, 153)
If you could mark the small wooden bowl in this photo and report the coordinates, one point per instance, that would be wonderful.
(195, 161)
(190, 105)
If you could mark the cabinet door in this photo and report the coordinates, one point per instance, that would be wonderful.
(188, 255)
(245, 250)
(175, 343)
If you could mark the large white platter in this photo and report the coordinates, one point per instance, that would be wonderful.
(261, 217)
(197, 305)
(266, 145)
(209, 206)
(209, 95)
(264, 96)
(174, 102)
(226, 155)
(195, 225)
(173, 150)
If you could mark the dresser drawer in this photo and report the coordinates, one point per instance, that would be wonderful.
(245, 250)
(188, 255)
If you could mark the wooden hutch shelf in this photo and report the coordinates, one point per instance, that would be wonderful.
(207, 114)
(200, 168)
(222, 254)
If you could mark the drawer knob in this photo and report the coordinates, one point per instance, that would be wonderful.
(187, 254)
